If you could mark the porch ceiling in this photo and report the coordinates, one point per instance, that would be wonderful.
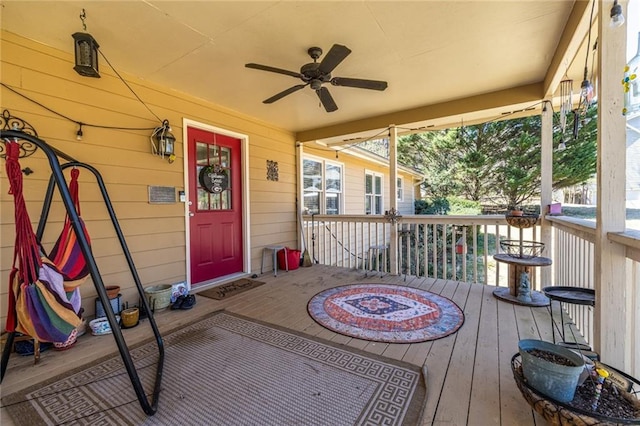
(445, 61)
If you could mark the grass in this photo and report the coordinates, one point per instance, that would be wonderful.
(589, 212)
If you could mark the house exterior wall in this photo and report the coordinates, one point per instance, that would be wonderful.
(354, 178)
(155, 233)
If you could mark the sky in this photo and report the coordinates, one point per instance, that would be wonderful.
(633, 27)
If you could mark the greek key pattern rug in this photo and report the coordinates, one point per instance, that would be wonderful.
(230, 370)
(386, 313)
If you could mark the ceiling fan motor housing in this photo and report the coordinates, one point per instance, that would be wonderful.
(311, 71)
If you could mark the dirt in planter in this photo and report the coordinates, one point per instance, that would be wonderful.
(551, 357)
(613, 402)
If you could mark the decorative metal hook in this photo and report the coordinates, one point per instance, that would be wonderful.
(83, 16)
(9, 122)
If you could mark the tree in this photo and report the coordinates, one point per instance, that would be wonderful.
(498, 159)
(430, 154)
(577, 163)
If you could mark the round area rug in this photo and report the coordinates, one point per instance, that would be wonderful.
(385, 313)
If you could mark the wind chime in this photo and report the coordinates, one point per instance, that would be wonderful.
(566, 106)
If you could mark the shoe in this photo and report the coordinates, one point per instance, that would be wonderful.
(188, 302)
(178, 303)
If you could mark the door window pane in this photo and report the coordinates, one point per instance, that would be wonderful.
(201, 153)
(225, 200)
(213, 154)
(225, 157)
(203, 199)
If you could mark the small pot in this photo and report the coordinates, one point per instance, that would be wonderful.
(517, 213)
(130, 317)
(112, 291)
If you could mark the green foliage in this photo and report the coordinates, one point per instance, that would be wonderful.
(461, 206)
(449, 205)
(497, 160)
(436, 206)
(576, 164)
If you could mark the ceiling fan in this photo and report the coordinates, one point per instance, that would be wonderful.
(315, 74)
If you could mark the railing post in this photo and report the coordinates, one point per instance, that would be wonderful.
(612, 326)
(546, 159)
(393, 185)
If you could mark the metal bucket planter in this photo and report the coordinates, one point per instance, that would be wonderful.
(551, 379)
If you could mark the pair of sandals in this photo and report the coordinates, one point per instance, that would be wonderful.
(184, 302)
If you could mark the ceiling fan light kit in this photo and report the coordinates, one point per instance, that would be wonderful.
(315, 74)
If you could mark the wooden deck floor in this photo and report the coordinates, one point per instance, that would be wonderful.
(469, 379)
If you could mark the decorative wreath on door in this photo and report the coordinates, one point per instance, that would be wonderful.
(214, 178)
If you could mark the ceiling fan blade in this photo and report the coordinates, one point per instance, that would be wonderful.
(359, 83)
(284, 93)
(333, 58)
(273, 69)
(327, 100)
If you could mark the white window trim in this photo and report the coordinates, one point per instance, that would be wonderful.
(373, 174)
(323, 198)
(400, 184)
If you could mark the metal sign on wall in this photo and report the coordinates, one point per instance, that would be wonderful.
(162, 194)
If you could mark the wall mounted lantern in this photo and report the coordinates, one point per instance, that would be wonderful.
(86, 48)
(163, 142)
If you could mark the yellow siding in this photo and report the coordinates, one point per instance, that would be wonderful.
(155, 233)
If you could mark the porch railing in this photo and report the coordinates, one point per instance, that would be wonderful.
(436, 246)
(574, 265)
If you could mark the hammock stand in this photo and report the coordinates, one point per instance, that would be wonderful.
(29, 144)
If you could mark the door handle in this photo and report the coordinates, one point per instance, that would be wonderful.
(191, 214)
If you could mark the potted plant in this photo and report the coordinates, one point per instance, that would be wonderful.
(515, 210)
(551, 369)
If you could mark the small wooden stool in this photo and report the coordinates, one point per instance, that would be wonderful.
(275, 250)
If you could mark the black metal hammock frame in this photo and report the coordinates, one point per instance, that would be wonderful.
(29, 144)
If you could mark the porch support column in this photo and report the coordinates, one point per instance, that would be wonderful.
(611, 328)
(546, 188)
(299, 193)
(393, 197)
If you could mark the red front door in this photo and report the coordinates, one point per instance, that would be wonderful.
(215, 205)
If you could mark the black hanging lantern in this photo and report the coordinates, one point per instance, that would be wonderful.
(86, 48)
(164, 141)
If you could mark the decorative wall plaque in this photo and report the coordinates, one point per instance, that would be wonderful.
(162, 194)
(214, 178)
(272, 170)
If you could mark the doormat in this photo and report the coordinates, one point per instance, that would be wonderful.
(386, 313)
(225, 291)
(231, 370)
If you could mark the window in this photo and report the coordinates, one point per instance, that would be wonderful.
(400, 190)
(220, 158)
(373, 193)
(322, 186)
